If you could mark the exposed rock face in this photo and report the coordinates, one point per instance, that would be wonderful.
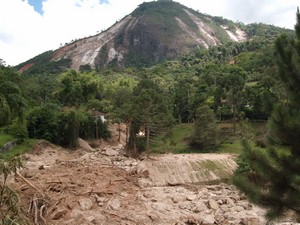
(153, 32)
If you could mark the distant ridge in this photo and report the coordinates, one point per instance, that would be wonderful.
(154, 32)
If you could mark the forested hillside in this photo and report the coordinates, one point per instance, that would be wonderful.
(232, 80)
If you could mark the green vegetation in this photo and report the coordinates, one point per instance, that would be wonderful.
(178, 139)
(205, 129)
(175, 141)
(232, 80)
(11, 211)
(43, 64)
(4, 138)
(21, 148)
(270, 177)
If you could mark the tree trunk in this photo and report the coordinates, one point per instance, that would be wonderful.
(119, 129)
(148, 139)
(234, 114)
(96, 130)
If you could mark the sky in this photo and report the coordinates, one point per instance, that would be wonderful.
(31, 27)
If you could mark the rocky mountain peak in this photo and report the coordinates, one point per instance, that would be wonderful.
(154, 32)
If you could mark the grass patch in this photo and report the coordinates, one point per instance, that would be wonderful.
(177, 141)
(234, 147)
(4, 138)
(19, 149)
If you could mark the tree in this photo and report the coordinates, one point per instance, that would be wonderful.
(205, 129)
(11, 98)
(150, 111)
(76, 89)
(183, 100)
(42, 122)
(272, 179)
(234, 82)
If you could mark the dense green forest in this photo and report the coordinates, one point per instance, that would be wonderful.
(55, 103)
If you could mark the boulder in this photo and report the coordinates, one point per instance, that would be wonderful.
(191, 197)
(251, 221)
(86, 204)
(114, 204)
(208, 219)
(199, 207)
(111, 152)
(213, 204)
(84, 145)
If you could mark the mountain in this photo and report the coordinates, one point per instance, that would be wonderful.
(154, 32)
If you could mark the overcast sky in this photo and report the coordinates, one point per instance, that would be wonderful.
(30, 27)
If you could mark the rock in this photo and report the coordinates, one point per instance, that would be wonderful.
(148, 195)
(236, 221)
(224, 208)
(114, 204)
(204, 190)
(250, 221)
(214, 188)
(185, 205)
(145, 182)
(85, 204)
(83, 144)
(124, 194)
(208, 220)
(43, 167)
(91, 219)
(153, 217)
(219, 218)
(199, 207)
(161, 207)
(129, 162)
(59, 213)
(177, 198)
(239, 208)
(220, 202)
(26, 157)
(87, 217)
(27, 173)
(111, 152)
(144, 174)
(100, 199)
(191, 197)
(135, 163)
(142, 166)
(229, 202)
(213, 204)
(245, 205)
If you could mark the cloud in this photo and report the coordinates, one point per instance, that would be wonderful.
(276, 12)
(24, 33)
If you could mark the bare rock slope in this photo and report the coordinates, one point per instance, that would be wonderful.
(154, 32)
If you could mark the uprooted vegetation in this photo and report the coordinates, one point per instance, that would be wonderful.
(102, 186)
